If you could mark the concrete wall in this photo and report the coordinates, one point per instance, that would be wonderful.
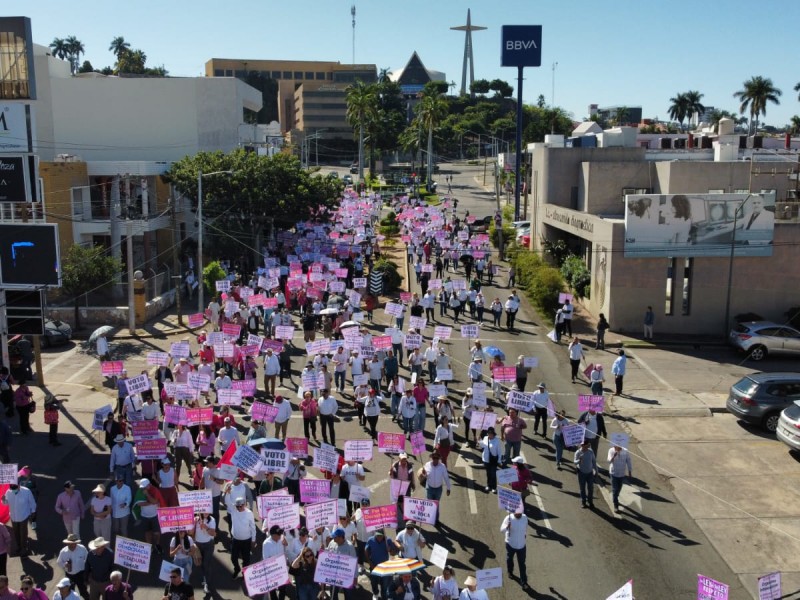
(116, 316)
(601, 183)
(58, 180)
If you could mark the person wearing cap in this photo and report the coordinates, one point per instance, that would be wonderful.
(243, 534)
(515, 528)
(121, 498)
(490, 455)
(541, 400)
(619, 463)
(72, 558)
(21, 504)
(122, 459)
(443, 439)
(597, 379)
(372, 411)
(586, 464)
(340, 545)
(118, 589)
(69, 504)
(405, 587)
(378, 550)
(557, 425)
(167, 482)
(99, 564)
(64, 590)
(470, 590)
(595, 427)
(410, 543)
(282, 417)
(275, 545)
(100, 509)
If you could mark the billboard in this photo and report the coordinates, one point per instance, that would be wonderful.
(13, 176)
(521, 46)
(688, 225)
(29, 255)
(15, 127)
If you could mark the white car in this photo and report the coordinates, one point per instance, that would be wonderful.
(523, 231)
(521, 224)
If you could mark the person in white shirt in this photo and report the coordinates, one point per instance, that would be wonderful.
(398, 337)
(340, 359)
(511, 308)
(431, 355)
(205, 530)
(471, 591)
(272, 368)
(566, 311)
(121, 497)
(227, 434)
(352, 473)
(222, 382)
(72, 559)
(328, 407)
(243, 535)
(410, 541)
(437, 478)
(408, 411)
(283, 416)
(319, 538)
(183, 446)
(515, 528)
(445, 586)
(150, 410)
(541, 399)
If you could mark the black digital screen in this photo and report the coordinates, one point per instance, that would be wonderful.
(29, 255)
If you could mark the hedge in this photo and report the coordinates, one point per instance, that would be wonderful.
(542, 284)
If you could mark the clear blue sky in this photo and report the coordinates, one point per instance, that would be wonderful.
(617, 52)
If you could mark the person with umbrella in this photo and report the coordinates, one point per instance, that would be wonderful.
(405, 587)
(378, 550)
(99, 339)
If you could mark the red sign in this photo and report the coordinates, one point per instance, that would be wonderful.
(110, 368)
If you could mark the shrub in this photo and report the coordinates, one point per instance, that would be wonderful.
(211, 274)
(391, 278)
(526, 264)
(545, 286)
(389, 219)
(389, 229)
(576, 275)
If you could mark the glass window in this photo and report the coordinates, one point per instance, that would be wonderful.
(298, 74)
(287, 74)
(686, 306)
(276, 75)
(228, 72)
(320, 76)
(768, 331)
(716, 191)
(309, 74)
(219, 73)
(668, 308)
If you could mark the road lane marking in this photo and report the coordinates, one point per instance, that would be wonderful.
(540, 504)
(473, 501)
(647, 368)
(81, 371)
(60, 359)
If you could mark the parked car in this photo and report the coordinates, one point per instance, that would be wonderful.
(520, 224)
(789, 426)
(759, 398)
(480, 225)
(56, 333)
(348, 179)
(762, 338)
(354, 169)
(333, 175)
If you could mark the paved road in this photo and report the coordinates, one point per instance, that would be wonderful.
(655, 541)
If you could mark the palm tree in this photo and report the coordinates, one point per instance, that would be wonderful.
(678, 108)
(794, 127)
(74, 50)
(757, 92)
(362, 103)
(797, 89)
(118, 46)
(430, 111)
(59, 48)
(693, 104)
(383, 75)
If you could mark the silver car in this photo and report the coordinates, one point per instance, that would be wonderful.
(761, 338)
(759, 398)
(788, 430)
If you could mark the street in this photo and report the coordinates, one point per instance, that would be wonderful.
(695, 468)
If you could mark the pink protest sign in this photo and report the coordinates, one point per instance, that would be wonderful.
(378, 517)
(231, 329)
(151, 449)
(297, 447)
(263, 412)
(405, 296)
(397, 488)
(270, 303)
(144, 430)
(266, 575)
(391, 443)
(420, 510)
(382, 342)
(314, 490)
(250, 349)
(109, 368)
(256, 300)
(199, 416)
(175, 518)
(196, 320)
(504, 374)
(586, 402)
(418, 442)
(175, 414)
(336, 569)
(246, 386)
(710, 589)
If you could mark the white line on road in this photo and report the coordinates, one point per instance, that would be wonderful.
(60, 359)
(81, 371)
(473, 502)
(540, 504)
(647, 368)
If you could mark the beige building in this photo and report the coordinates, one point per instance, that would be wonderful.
(578, 195)
(311, 94)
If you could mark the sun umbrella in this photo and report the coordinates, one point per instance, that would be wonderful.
(494, 351)
(329, 311)
(398, 565)
(104, 330)
(347, 324)
(271, 443)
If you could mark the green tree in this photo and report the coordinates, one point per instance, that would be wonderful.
(261, 193)
(693, 104)
(621, 116)
(74, 50)
(86, 67)
(479, 86)
(131, 62)
(679, 108)
(797, 89)
(501, 88)
(85, 270)
(431, 109)
(212, 273)
(383, 75)
(389, 121)
(540, 101)
(362, 109)
(757, 93)
(59, 48)
(538, 122)
(794, 126)
(118, 46)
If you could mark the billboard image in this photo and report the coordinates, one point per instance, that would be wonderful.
(658, 225)
(29, 255)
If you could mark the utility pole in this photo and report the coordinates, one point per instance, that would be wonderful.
(199, 268)
(131, 308)
(176, 263)
(116, 251)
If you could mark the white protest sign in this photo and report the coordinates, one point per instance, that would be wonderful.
(100, 415)
(267, 575)
(266, 502)
(199, 381)
(469, 331)
(507, 476)
(358, 493)
(442, 332)
(199, 499)
(326, 459)
(358, 450)
(132, 554)
(158, 358)
(489, 578)
(138, 384)
(619, 439)
(420, 510)
(573, 435)
(509, 500)
(322, 514)
(180, 350)
(275, 461)
(246, 459)
(623, 593)
(166, 571)
(444, 374)
(439, 556)
(336, 569)
(397, 488)
(530, 362)
(229, 397)
(286, 517)
(769, 586)
(8, 473)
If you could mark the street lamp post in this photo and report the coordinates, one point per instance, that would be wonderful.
(730, 263)
(199, 269)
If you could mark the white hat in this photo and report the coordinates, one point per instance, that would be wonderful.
(119, 438)
(98, 543)
(143, 483)
(64, 583)
(518, 459)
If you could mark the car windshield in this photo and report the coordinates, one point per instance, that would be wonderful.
(741, 328)
(745, 386)
(793, 411)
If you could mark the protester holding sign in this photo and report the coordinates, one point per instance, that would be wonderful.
(303, 568)
(557, 425)
(490, 455)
